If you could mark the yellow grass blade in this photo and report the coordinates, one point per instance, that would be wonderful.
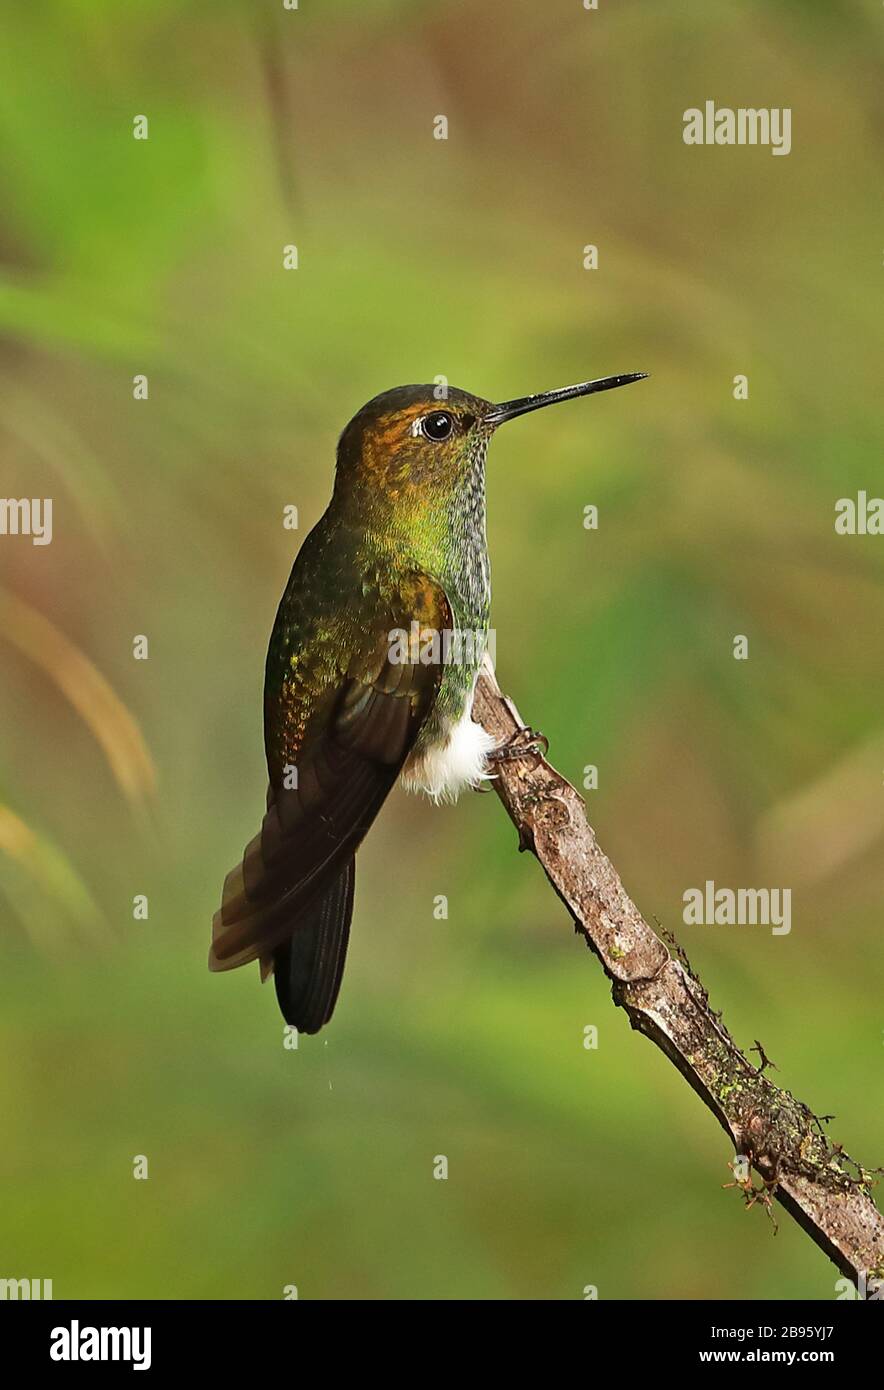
(98, 705)
(48, 870)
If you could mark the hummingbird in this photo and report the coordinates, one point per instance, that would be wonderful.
(368, 678)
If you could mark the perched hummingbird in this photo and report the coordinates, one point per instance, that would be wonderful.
(349, 705)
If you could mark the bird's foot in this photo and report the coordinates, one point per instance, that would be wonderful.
(520, 745)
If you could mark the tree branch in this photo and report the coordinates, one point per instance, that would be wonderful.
(826, 1192)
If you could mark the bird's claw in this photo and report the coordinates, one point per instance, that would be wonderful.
(520, 745)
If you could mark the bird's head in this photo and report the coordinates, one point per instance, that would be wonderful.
(418, 441)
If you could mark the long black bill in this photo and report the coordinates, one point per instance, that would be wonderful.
(510, 409)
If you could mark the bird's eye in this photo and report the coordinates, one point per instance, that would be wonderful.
(437, 426)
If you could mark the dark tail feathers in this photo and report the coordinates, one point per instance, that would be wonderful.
(308, 968)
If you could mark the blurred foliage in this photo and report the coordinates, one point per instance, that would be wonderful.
(567, 1167)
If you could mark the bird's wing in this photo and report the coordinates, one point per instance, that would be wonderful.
(343, 709)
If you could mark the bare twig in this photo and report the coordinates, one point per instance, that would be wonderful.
(826, 1192)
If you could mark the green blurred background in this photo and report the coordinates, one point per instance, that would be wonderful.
(419, 257)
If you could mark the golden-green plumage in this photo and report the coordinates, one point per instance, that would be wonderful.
(402, 507)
